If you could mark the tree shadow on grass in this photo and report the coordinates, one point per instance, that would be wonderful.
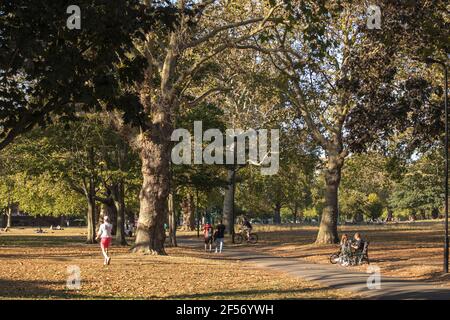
(40, 241)
(250, 294)
(35, 289)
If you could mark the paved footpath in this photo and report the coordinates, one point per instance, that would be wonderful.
(333, 276)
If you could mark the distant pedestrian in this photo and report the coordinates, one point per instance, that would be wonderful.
(220, 236)
(208, 235)
(104, 233)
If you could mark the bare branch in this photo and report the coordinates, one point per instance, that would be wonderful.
(207, 93)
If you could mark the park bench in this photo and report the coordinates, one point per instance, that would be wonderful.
(353, 258)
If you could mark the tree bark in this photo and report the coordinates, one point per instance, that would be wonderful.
(118, 195)
(172, 222)
(328, 224)
(277, 213)
(90, 218)
(228, 201)
(9, 217)
(188, 213)
(155, 157)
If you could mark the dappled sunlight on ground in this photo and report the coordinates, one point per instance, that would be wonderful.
(35, 266)
(409, 250)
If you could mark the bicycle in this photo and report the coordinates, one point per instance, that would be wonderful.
(242, 234)
(352, 258)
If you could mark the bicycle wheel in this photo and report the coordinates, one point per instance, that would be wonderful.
(253, 238)
(238, 238)
(334, 258)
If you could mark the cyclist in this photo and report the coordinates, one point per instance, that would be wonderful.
(247, 227)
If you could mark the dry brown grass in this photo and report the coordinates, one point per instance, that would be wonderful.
(34, 266)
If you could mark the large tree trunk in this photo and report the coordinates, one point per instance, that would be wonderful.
(228, 201)
(277, 213)
(328, 224)
(118, 194)
(188, 208)
(155, 151)
(172, 222)
(155, 156)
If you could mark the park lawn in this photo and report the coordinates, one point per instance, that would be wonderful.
(34, 266)
(407, 250)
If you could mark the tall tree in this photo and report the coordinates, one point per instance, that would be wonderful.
(175, 57)
(47, 68)
(335, 67)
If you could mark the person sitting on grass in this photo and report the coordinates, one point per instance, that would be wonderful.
(104, 232)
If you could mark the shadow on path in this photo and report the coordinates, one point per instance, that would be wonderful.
(333, 276)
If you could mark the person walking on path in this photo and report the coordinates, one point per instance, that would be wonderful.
(208, 234)
(220, 235)
(104, 233)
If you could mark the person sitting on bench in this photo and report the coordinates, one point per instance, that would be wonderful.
(358, 243)
(345, 251)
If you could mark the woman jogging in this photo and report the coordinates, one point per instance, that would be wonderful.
(104, 233)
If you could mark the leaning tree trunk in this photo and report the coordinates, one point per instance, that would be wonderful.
(277, 213)
(155, 150)
(155, 157)
(228, 201)
(328, 224)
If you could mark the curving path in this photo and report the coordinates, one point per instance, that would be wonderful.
(333, 276)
